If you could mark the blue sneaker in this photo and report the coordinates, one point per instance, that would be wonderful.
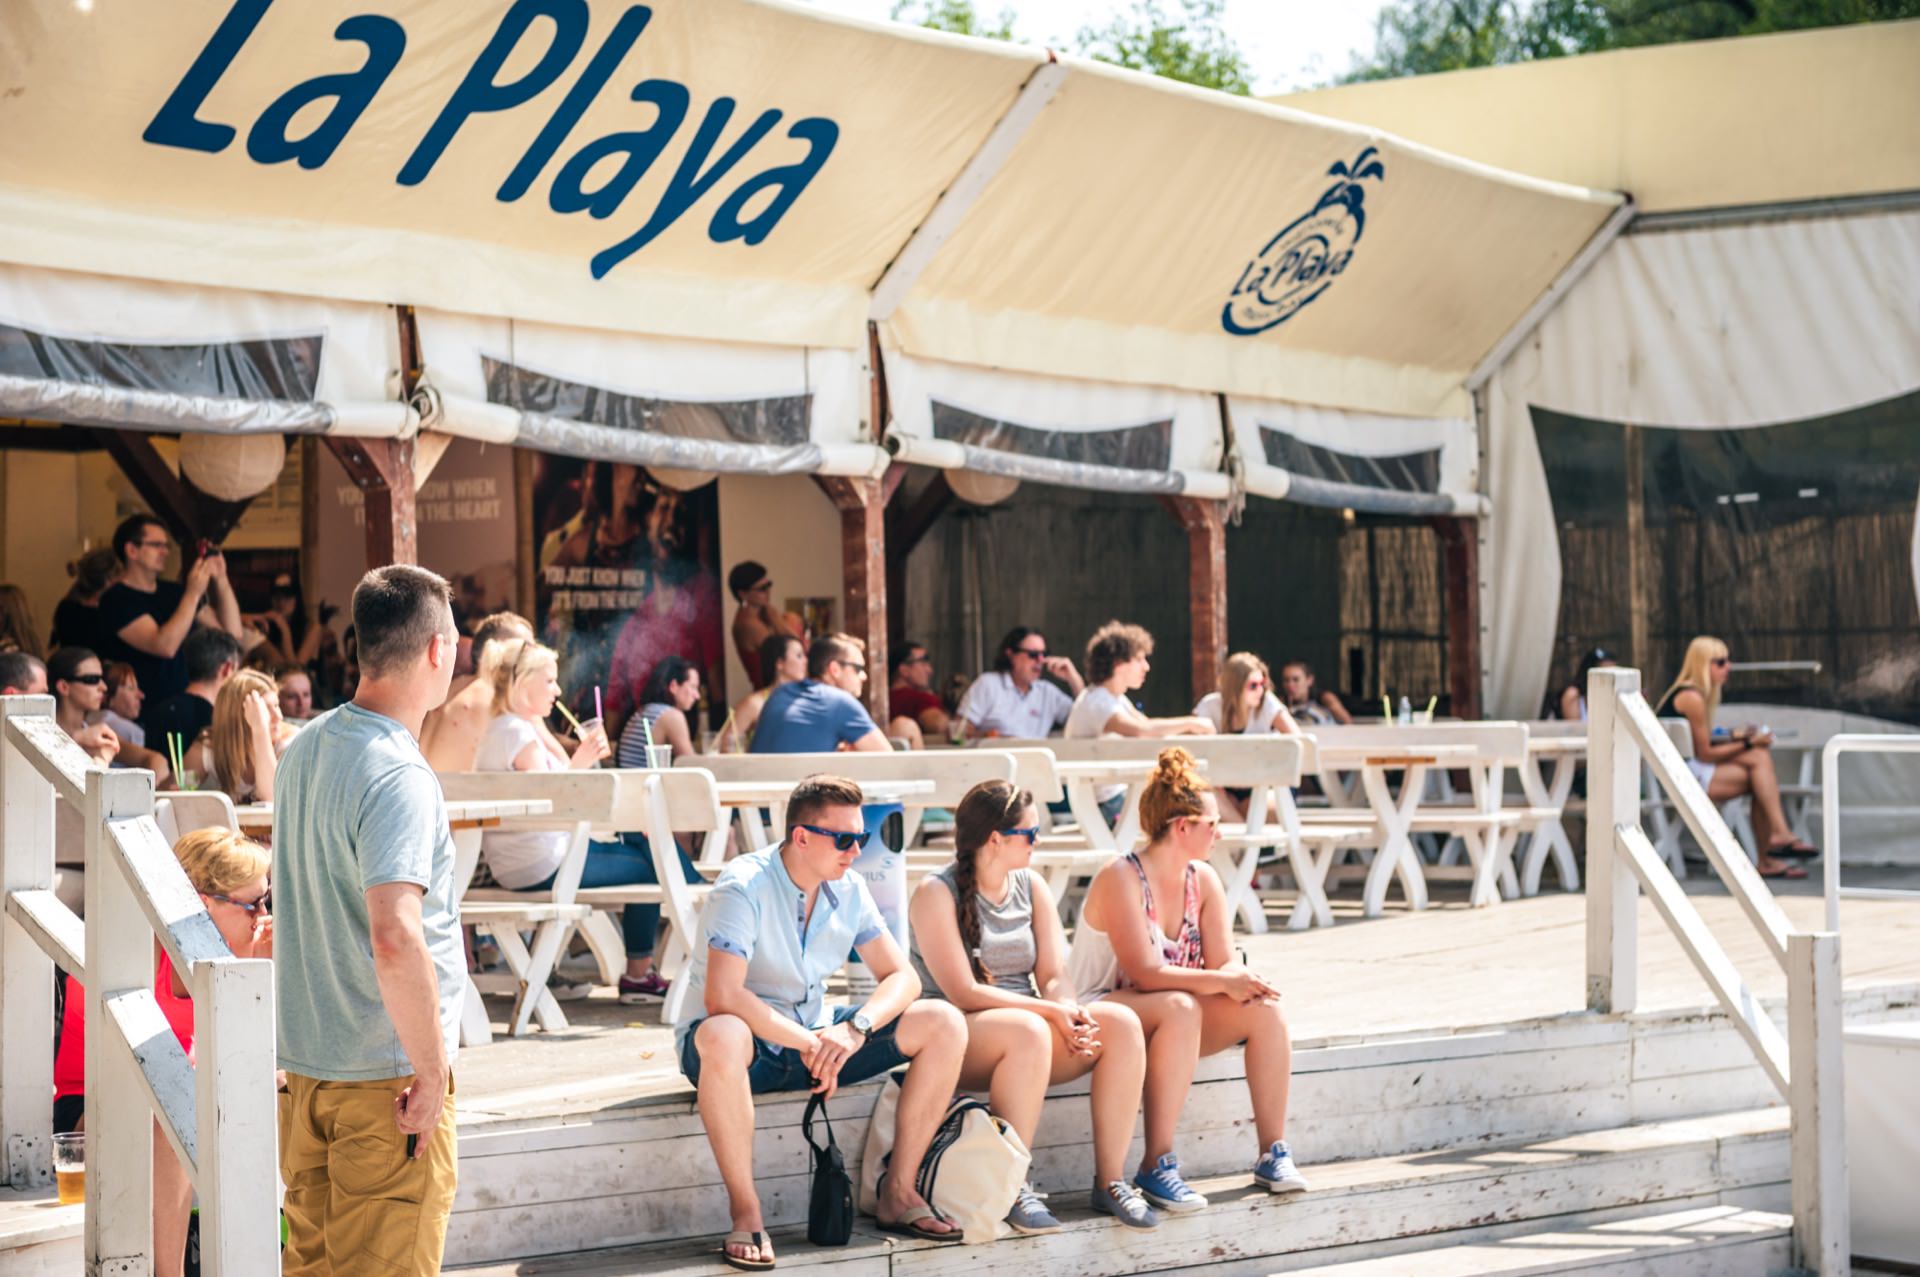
(1276, 1171)
(1165, 1189)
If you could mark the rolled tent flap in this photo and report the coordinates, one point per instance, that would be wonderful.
(1355, 460)
(1075, 434)
(126, 354)
(650, 401)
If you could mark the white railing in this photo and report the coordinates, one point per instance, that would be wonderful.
(1806, 1065)
(1854, 743)
(219, 1115)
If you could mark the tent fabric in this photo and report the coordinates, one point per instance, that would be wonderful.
(1797, 116)
(1079, 434)
(659, 402)
(90, 350)
(1716, 328)
(1359, 461)
(744, 171)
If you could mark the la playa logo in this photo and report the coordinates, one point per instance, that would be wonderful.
(1303, 260)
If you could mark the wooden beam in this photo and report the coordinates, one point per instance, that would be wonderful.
(383, 471)
(1639, 645)
(863, 565)
(20, 437)
(1205, 523)
(189, 514)
(1460, 558)
(906, 526)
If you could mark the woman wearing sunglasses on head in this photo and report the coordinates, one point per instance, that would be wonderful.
(987, 938)
(1245, 705)
(1733, 764)
(230, 873)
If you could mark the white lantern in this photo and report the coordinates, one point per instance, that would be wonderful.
(981, 489)
(232, 467)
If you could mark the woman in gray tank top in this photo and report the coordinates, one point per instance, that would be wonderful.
(987, 938)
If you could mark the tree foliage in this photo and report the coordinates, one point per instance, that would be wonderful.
(1419, 37)
(957, 16)
(1189, 43)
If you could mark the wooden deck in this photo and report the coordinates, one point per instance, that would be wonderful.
(1447, 967)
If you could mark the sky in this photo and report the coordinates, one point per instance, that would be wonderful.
(1289, 44)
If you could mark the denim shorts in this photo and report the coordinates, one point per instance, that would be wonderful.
(777, 1068)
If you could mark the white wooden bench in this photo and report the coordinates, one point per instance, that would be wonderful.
(952, 772)
(585, 803)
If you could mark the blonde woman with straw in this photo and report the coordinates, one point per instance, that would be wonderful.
(1732, 765)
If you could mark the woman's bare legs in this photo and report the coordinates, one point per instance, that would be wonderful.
(1002, 1045)
(1171, 1022)
(1119, 1072)
(1751, 772)
(172, 1205)
(1262, 1026)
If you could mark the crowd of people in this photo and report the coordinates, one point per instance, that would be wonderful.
(371, 966)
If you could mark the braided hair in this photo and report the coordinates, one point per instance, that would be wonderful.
(987, 809)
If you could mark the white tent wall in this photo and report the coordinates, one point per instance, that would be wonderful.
(1395, 465)
(95, 350)
(1722, 326)
(689, 405)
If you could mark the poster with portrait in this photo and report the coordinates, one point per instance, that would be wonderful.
(627, 573)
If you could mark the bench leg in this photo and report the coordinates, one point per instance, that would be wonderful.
(1310, 907)
(1485, 855)
(475, 1028)
(533, 998)
(1236, 870)
(608, 945)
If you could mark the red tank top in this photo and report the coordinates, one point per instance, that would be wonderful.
(70, 1065)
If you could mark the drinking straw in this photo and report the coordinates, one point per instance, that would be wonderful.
(1431, 702)
(646, 730)
(570, 718)
(729, 723)
(173, 756)
(599, 709)
(1386, 707)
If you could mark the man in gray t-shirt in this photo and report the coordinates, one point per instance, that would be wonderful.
(368, 964)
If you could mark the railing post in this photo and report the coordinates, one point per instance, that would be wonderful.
(26, 973)
(1613, 799)
(238, 1117)
(119, 1235)
(1822, 1236)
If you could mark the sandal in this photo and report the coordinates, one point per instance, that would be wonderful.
(904, 1226)
(1798, 849)
(739, 1237)
(1784, 871)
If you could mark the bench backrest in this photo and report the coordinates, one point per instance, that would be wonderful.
(604, 798)
(182, 812)
(1033, 770)
(1239, 761)
(952, 771)
(1503, 743)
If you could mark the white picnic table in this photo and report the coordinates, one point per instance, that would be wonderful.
(1550, 836)
(1083, 780)
(1393, 811)
(748, 797)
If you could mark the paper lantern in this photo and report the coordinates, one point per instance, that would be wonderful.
(232, 467)
(981, 489)
(681, 480)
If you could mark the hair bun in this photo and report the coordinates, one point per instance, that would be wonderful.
(1176, 767)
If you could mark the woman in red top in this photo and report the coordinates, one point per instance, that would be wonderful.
(230, 873)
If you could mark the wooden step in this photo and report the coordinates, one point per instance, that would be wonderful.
(1738, 1159)
(38, 1236)
(1705, 1241)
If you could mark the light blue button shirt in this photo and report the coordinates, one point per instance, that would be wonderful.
(756, 912)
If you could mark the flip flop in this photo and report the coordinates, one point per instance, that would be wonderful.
(1795, 850)
(1784, 871)
(904, 1226)
(739, 1237)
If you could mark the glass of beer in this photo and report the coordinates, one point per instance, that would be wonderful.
(70, 1167)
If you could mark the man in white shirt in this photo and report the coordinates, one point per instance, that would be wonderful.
(1012, 699)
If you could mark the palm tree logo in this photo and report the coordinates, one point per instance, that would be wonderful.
(1302, 261)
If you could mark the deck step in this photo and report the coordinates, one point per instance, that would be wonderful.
(1357, 1210)
(38, 1236)
(1707, 1241)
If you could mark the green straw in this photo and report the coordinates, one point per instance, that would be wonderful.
(1431, 702)
(1386, 707)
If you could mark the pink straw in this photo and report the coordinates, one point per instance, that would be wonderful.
(599, 710)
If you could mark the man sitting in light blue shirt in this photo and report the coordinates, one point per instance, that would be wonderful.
(778, 923)
(821, 713)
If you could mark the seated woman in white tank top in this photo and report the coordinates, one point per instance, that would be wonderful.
(1179, 973)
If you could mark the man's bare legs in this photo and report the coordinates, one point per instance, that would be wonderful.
(933, 1037)
(726, 1110)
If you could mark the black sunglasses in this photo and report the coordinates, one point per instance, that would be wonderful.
(251, 906)
(1038, 654)
(90, 680)
(843, 839)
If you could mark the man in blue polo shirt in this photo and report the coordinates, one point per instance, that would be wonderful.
(778, 923)
(821, 713)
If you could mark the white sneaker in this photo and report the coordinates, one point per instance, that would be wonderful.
(565, 990)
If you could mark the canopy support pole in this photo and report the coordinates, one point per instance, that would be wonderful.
(907, 525)
(189, 514)
(1460, 554)
(1205, 523)
(383, 471)
(863, 566)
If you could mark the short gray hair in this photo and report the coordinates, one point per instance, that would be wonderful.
(397, 611)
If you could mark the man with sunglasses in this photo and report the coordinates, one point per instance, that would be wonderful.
(822, 712)
(149, 619)
(778, 924)
(1013, 699)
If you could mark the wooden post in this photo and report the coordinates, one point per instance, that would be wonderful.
(119, 1230)
(1460, 556)
(383, 471)
(1613, 799)
(1639, 638)
(863, 564)
(1205, 523)
(26, 973)
(234, 1109)
(1822, 1231)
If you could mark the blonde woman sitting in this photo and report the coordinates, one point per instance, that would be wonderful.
(1244, 706)
(240, 752)
(1174, 964)
(987, 937)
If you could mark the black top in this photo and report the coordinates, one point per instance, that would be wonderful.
(183, 713)
(160, 676)
(75, 624)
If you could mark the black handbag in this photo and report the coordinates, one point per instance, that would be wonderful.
(830, 1204)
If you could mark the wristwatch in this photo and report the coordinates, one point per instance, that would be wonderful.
(861, 1024)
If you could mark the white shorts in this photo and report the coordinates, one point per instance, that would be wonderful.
(1702, 772)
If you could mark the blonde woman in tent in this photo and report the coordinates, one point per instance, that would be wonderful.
(1730, 765)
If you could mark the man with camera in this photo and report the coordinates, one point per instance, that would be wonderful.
(149, 619)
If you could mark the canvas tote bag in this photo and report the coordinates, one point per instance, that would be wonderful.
(973, 1169)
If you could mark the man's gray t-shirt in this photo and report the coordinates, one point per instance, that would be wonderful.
(355, 805)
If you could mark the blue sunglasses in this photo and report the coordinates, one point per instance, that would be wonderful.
(1031, 834)
(843, 839)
